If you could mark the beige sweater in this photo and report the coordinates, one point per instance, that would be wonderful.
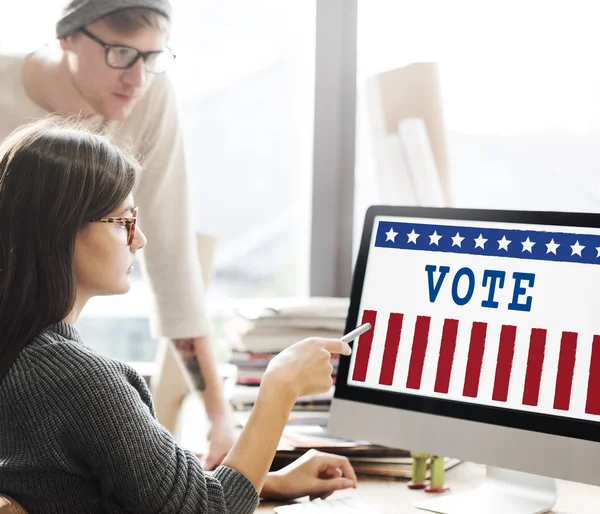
(153, 133)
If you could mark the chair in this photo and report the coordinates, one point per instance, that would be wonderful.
(408, 136)
(10, 506)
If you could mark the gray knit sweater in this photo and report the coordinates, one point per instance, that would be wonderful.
(78, 434)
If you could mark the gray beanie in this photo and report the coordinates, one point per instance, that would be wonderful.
(79, 13)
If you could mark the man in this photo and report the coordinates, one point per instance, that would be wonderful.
(108, 68)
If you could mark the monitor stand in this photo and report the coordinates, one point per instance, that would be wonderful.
(503, 491)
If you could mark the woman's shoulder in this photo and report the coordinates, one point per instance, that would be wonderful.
(62, 359)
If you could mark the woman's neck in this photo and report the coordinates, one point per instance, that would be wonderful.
(73, 316)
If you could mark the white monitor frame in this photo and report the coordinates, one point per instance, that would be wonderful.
(526, 442)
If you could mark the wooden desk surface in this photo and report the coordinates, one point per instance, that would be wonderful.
(394, 497)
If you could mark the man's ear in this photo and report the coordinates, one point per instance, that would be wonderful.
(66, 42)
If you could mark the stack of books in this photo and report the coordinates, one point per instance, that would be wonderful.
(258, 331)
(244, 398)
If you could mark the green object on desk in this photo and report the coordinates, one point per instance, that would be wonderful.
(419, 468)
(437, 472)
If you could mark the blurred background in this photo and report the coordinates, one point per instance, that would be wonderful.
(519, 96)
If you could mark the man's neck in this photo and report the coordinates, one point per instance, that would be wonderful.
(48, 82)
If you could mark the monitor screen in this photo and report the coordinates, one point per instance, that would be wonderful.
(488, 316)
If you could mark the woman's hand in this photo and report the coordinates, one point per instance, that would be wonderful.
(305, 367)
(315, 474)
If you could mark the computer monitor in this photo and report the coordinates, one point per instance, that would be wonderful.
(485, 347)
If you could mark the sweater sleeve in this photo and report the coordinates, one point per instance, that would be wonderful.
(112, 431)
(170, 259)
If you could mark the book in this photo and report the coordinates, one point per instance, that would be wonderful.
(243, 398)
(394, 469)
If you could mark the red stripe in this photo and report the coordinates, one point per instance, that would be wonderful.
(506, 351)
(446, 358)
(364, 343)
(390, 350)
(475, 358)
(417, 354)
(535, 361)
(592, 405)
(564, 375)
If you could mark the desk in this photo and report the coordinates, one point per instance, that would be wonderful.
(393, 497)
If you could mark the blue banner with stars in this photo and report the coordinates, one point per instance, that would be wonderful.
(494, 242)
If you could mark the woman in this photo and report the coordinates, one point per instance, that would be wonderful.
(78, 431)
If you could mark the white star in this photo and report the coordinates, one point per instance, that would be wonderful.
(598, 250)
(552, 246)
(480, 241)
(434, 238)
(527, 245)
(412, 237)
(577, 248)
(503, 243)
(391, 235)
(457, 240)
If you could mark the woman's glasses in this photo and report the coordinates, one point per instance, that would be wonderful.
(129, 222)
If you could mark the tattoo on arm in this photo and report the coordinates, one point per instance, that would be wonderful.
(187, 351)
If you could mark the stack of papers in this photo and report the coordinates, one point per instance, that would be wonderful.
(270, 328)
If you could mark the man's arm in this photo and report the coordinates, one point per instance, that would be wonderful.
(200, 365)
(187, 351)
(199, 362)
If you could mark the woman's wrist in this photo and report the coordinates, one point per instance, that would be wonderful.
(276, 399)
(285, 387)
(270, 487)
(276, 488)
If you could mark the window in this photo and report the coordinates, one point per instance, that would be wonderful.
(245, 77)
(520, 96)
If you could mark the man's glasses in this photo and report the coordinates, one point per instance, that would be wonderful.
(129, 223)
(123, 57)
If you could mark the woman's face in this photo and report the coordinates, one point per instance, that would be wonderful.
(103, 260)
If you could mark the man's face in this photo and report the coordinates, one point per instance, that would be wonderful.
(110, 92)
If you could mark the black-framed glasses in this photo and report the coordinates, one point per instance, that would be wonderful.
(123, 57)
(129, 223)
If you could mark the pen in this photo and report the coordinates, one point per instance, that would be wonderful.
(351, 336)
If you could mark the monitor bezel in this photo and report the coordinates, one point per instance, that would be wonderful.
(550, 424)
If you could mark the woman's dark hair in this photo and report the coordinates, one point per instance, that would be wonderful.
(55, 177)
